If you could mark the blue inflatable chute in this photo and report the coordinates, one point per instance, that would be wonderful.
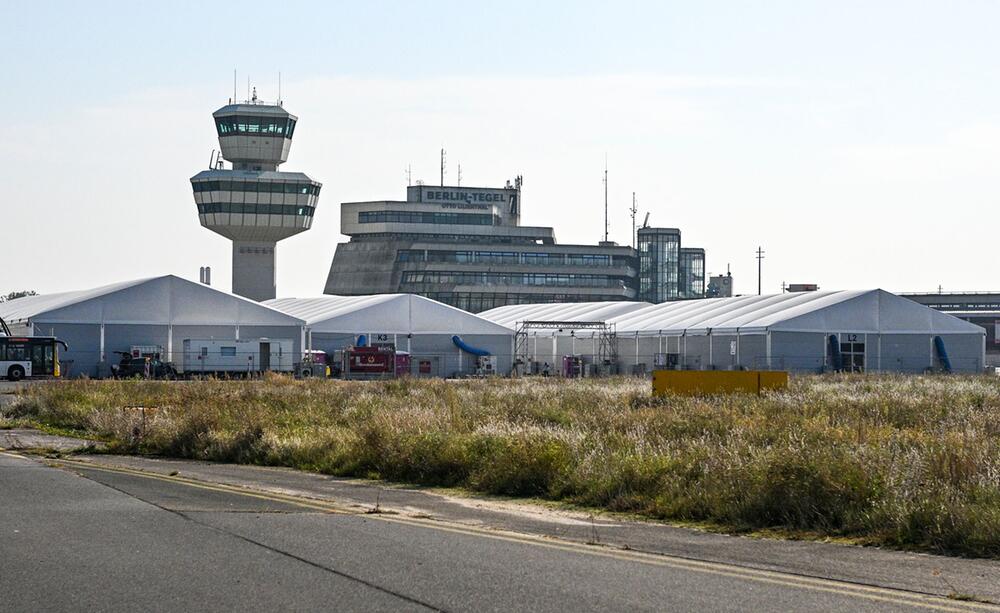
(362, 341)
(942, 353)
(835, 353)
(468, 348)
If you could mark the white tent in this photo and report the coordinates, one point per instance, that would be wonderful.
(423, 327)
(877, 330)
(160, 311)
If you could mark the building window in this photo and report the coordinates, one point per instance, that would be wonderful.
(512, 278)
(425, 217)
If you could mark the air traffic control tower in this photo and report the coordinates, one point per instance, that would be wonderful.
(253, 204)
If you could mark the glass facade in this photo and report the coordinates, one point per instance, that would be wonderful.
(475, 302)
(692, 273)
(255, 187)
(255, 209)
(462, 219)
(512, 278)
(659, 264)
(510, 258)
(234, 125)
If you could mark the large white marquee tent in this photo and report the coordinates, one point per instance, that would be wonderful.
(423, 327)
(872, 329)
(161, 311)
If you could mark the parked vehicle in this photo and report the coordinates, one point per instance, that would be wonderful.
(146, 367)
(29, 357)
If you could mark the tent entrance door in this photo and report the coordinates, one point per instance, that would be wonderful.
(852, 353)
(265, 356)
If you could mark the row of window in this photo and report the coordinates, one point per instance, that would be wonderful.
(476, 302)
(491, 239)
(256, 187)
(464, 219)
(256, 209)
(508, 257)
(514, 278)
(261, 126)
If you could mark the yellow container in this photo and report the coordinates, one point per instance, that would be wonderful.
(694, 382)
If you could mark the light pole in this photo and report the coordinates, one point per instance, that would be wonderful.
(760, 259)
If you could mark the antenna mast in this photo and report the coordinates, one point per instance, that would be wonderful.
(409, 176)
(760, 259)
(460, 175)
(443, 159)
(633, 211)
(234, 86)
(605, 197)
(279, 88)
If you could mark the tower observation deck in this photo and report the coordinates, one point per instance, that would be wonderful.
(253, 204)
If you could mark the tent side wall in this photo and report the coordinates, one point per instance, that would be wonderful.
(84, 340)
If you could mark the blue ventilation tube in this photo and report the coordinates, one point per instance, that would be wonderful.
(942, 353)
(362, 341)
(835, 353)
(468, 348)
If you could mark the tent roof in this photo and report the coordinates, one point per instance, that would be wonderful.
(156, 300)
(870, 311)
(510, 315)
(384, 313)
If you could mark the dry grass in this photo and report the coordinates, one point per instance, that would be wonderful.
(903, 461)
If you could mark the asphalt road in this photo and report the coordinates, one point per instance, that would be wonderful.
(86, 539)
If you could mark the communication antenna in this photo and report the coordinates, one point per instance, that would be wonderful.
(248, 88)
(211, 160)
(443, 160)
(460, 175)
(633, 211)
(605, 197)
(234, 85)
(279, 88)
(645, 222)
(409, 176)
(760, 259)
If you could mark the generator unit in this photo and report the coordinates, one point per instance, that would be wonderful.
(381, 361)
(486, 365)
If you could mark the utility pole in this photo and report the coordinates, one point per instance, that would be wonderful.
(443, 160)
(760, 259)
(605, 198)
(633, 211)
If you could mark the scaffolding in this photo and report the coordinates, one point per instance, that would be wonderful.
(607, 349)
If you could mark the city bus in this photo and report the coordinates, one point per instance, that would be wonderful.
(29, 356)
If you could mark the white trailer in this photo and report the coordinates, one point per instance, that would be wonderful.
(237, 356)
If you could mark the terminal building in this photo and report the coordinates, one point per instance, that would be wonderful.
(465, 246)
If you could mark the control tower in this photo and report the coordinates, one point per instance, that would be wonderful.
(253, 204)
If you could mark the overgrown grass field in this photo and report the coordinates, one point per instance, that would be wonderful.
(901, 461)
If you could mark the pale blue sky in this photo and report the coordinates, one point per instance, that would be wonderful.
(857, 141)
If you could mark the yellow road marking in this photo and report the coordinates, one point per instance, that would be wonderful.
(914, 599)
